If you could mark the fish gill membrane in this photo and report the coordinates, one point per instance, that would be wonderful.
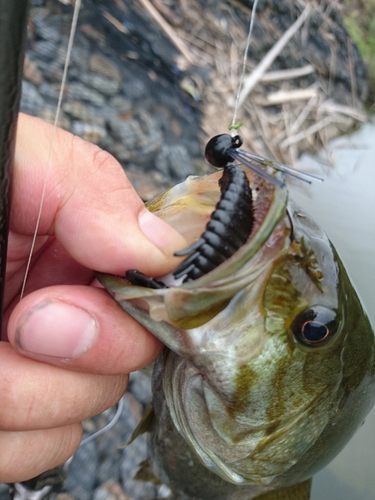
(269, 362)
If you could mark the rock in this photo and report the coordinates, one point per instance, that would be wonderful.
(81, 478)
(121, 105)
(31, 100)
(147, 185)
(101, 83)
(110, 466)
(49, 91)
(48, 114)
(31, 71)
(164, 492)
(46, 49)
(4, 492)
(134, 87)
(52, 72)
(111, 490)
(133, 456)
(92, 33)
(174, 161)
(80, 55)
(77, 90)
(140, 386)
(89, 131)
(47, 30)
(83, 112)
(128, 132)
(104, 66)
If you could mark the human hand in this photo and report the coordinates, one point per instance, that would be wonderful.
(70, 346)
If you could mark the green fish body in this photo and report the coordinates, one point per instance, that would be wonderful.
(269, 367)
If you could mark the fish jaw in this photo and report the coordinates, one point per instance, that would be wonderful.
(160, 311)
(187, 207)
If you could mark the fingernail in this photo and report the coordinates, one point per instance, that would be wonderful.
(56, 329)
(157, 231)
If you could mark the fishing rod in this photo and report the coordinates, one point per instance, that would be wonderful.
(13, 30)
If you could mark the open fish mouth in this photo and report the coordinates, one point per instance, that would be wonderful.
(188, 207)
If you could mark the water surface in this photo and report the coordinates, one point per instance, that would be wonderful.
(344, 205)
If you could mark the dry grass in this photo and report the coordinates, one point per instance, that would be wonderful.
(279, 123)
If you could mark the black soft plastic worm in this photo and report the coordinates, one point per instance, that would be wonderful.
(230, 225)
(228, 229)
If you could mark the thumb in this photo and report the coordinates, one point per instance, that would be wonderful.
(90, 205)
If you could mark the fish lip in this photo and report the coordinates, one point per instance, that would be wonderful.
(193, 303)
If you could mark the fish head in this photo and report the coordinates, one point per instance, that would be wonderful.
(270, 367)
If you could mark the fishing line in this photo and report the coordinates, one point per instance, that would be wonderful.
(120, 407)
(91, 437)
(240, 84)
(73, 28)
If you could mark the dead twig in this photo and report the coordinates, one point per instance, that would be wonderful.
(283, 96)
(333, 107)
(287, 74)
(305, 133)
(266, 62)
(168, 30)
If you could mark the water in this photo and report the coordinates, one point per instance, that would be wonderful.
(344, 205)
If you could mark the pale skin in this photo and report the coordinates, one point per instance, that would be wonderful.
(69, 348)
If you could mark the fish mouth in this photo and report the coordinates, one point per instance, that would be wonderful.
(188, 207)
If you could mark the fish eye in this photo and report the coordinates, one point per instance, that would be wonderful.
(315, 326)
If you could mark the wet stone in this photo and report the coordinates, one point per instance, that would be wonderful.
(49, 91)
(104, 66)
(174, 161)
(31, 71)
(4, 492)
(77, 90)
(37, 3)
(60, 54)
(147, 185)
(93, 34)
(45, 31)
(83, 112)
(128, 132)
(133, 456)
(134, 88)
(31, 100)
(46, 49)
(48, 114)
(101, 83)
(120, 104)
(89, 131)
(52, 72)
(140, 386)
(111, 490)
(163, 491)
(81, 478)
(80, 54)
(109, 445)
(110, 467)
